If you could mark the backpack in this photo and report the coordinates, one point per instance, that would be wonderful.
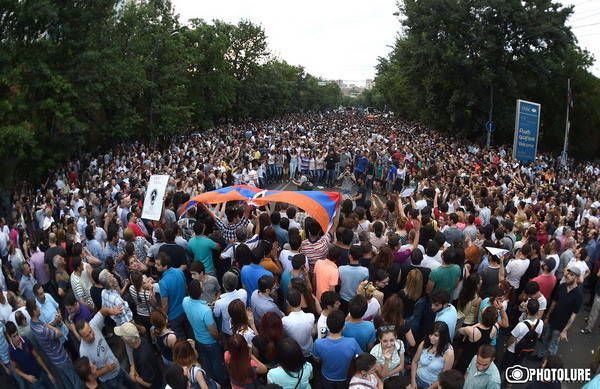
(526, 345)
(209, 381)
(308, 184)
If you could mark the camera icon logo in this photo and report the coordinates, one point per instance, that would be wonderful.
(517, 374)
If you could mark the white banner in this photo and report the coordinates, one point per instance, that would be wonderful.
(154, 197)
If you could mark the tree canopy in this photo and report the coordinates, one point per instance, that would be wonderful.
(452, 59)
(83, 75)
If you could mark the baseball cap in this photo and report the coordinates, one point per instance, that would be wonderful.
(551, 262)
(127, 329)
(574, 269)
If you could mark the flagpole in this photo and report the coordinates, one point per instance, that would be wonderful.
(567, 123)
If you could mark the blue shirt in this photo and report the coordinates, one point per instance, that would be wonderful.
(202, 248)
(350, 277)
(448, 315)
(336, 356)
(3, 345)
(363, 333)
(96, 249)
(250, 276)
(24, 358)
(282, 235)
(363, 162)
(200, 317)
(172, 286)
(48, 312)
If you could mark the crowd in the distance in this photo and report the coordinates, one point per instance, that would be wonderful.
(442, 256)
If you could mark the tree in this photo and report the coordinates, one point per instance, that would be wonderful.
(452, 57)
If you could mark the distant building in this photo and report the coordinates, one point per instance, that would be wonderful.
(369, 84)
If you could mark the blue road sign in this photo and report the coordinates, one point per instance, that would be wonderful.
(527, 123)
(490, 126)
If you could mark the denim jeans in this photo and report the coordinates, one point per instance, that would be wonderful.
(43, 382)
(212, 360)
(278, 172)
(594, 314)
(320, 173)
(181, 326)
(414, 322)
(327, 384)
(550, 340)
(329, 177)
(121, 381)
(68, 374)
(20, 381)
(293, 167)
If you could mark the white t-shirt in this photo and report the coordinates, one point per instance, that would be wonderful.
(515, 270)
(521, 330)
(222, 304)
(430, 262)
(322, 329)
(543, 305)
(372, 309)
(299, 326)
(583, 267)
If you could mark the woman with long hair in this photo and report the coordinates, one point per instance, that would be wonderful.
(243, 365)
(293, 371)
(385, 260)
(131, 261)
(377, 237)
(367, 289)
(476, 335)
(266, 343)
(389, 353)
(309, 302)
(434, 355)
(410, 295)
(186, 356)
(163, 336)
(380, 280)
(468, 301)
(242, 320)
(141, 292)
(363, 372)
(392, 315)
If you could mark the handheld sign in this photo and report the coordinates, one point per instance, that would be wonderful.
(153, 201)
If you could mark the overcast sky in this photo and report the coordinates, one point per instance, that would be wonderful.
(337, 39)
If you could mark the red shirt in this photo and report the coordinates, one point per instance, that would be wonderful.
(546, 284)
(136, 229)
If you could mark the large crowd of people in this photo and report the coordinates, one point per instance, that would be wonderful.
(442, 257)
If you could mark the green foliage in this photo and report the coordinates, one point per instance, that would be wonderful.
(451, 55)
(86, 75)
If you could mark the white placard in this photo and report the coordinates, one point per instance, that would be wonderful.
(497, 252)
(407, 192)
(154, 197)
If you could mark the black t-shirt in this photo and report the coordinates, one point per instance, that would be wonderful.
(96, 294)
(49, 256)
(362, 190)
(490, 276)
(261, 344)
(406, 268)
(409, 305)
(146, 365)
(532, 271)
(176, 252)
(330, 161)
(567, 303)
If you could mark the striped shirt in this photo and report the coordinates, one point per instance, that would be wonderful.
(81, 288)
(47, 340)
(315, 251)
